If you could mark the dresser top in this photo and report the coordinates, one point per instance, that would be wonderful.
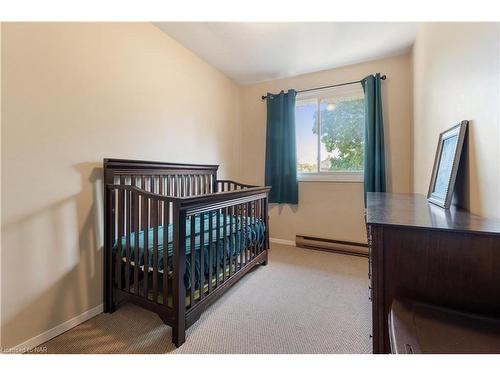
(413, 210)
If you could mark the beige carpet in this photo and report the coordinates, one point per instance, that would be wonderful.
(303, 301)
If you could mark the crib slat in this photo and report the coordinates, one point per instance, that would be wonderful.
(217, 248)
(166, 218)
(262, 217)
(118, 256)
(242, 238)
(136, 241)
(250, 232)
(243, 242)
(224, 242)
(239, 230)
(245, 220)
(210, 250)
(254, 230)
(236, 239)
(257, 222)
(254, 217)
(193, 251)
(128, 196)
(145, 235)
(261, 220)
(231, 243)
(132, 216)
(154, 224)
(202, 257)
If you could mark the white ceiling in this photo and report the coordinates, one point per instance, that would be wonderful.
(255, 52)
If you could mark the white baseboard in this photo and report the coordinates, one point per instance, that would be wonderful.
(56, 331)
(282, 242)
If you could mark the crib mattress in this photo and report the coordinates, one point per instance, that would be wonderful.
(243, 236)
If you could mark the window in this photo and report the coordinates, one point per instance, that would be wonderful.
(330, 134)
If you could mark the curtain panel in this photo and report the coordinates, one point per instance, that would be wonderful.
(281, 159)
(374, 158)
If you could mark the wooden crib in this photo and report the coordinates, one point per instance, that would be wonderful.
(176, 238)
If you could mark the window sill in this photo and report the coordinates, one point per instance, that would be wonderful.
(357, 177)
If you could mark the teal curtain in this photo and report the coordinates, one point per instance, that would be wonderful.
(374, 158)
(281, 159)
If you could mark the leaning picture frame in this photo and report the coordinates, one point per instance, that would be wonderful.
(446, 164)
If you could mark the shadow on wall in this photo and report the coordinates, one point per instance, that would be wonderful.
(59, 250)
(293, 207)
(462, 192)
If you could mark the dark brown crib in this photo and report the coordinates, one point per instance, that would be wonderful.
(184, 221)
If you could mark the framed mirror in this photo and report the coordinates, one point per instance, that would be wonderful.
(446, 165)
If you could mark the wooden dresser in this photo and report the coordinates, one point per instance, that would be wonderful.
(422, 252)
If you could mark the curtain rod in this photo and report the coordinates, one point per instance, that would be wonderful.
(330, 86)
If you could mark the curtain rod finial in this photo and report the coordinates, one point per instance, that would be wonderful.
(383, 77)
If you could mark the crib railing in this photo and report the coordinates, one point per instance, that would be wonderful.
(230, 185)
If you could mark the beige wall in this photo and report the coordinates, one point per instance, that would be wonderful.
(74, 94)
(325, 209)
(456, 70)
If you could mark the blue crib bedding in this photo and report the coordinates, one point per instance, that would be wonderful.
(254, 233)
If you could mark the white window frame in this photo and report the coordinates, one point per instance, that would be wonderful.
(336, 176)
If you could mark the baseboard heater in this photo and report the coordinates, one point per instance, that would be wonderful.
(336, 246)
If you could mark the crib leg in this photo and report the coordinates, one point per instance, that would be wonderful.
(109, 306)
(264, 262)
(109, 303)
(179, 333)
